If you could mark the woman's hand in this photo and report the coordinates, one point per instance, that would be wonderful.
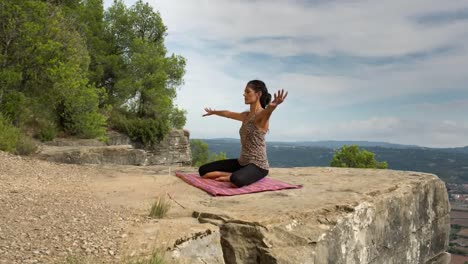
(209, 111)
(279, 98)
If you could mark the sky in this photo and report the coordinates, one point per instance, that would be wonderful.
(393, 71)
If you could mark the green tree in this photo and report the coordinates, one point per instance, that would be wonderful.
(200, 152)
(201, 155)
(217, 156)
(68, 65)
(353, 157)
(92, 24)
(143, 82)
(178, 118)
(44, 68)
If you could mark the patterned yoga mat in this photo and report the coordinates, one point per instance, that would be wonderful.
(217, 188)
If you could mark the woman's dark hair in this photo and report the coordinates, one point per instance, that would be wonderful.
(259, 86)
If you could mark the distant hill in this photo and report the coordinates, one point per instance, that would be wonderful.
(461, 150)
(334, 144)
(450, 164)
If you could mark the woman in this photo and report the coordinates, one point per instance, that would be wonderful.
(252, 165)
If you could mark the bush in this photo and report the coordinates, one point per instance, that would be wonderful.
(80, 116)
(26, 146)
(200, 152)
(88, 125)
(144, 130)
(47, 130)
(9, 135)
(201, 155)
(13, 105)
(353, 157)
(220, 156)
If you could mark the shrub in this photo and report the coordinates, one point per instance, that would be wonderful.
(201, 154)
(144, 130)
(9, 135)
(26, 146)
(47, 130)
(353, 157)
(13, 105)
(80, 117)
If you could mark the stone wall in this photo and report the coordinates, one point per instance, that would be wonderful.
(173, 150)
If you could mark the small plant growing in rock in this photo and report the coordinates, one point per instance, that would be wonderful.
(155, 258)
(160, 207)
(78, 259)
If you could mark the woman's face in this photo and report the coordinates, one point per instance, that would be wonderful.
(250, 96)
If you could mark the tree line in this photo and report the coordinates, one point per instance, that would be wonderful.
(71, 68)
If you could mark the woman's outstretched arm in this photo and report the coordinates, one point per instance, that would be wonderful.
(225, 113)
(264, 116)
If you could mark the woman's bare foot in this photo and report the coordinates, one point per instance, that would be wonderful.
(216, 174)
(224, 178)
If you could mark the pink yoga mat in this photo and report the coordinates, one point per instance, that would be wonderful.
(217, 188)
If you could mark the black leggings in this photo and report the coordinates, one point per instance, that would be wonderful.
(241, 175)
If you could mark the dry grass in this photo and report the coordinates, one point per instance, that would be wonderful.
(79, 259)
(157, 257)
(160, 207)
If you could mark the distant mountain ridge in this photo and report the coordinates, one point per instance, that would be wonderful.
(450, 164)
(333, 144)
(338, 144)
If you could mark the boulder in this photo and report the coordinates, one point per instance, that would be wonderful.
(347, 216)
(173, 149)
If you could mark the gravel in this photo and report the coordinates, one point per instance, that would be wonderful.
(48, 215)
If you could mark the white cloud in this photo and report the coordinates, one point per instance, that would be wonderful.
(357, 28)
(446, 108)
(446, 133)
(212, 35)
(366, 28)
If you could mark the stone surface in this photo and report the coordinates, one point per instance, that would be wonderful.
(116, 138)
(339, 216)
(120, 150)
(404, 222)
(67, 142)
(174, 149)
(442, 258)
(121, 155)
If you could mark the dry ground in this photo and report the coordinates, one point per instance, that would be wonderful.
(51, 212)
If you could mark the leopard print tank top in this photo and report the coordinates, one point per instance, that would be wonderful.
(253, 145)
